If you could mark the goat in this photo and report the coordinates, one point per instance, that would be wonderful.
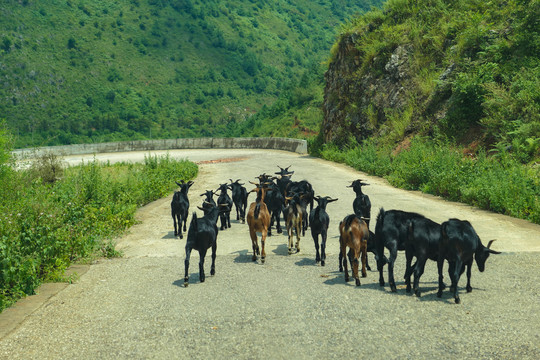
(284, 179)
(180, 207)
(391, 231)
(208, 202)
(459, 242)
(239, 198)
(361, 203)
(275, 202)
(354, 233)
(294, 216)
(305, 190)
(422, 242)
(370, 248)
(258, 219)
(224, 199)
(319, 220)
(202, 235)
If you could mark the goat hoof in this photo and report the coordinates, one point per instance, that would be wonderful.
(381, 283)
(254, 258)
(181, 236)
(322, 263)
(393, 288)
(439, 294)
(458, 300)
(369, 268)
(357, 282)
(364, 274)
(408, 289)
(469, 288)
(212, 272)
(185, 283)
(417, 292)
(262, 260)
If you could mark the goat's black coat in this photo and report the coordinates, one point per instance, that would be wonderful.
(225, 214)
(361, 203)
(239, 198)
(208, 202)
(423, 243)
(275, 203)
(180, 207)
(459, 243)
(391, 232)
(319, 220)
(202, 235)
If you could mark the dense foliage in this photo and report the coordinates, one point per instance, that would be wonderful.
(47, 223)
(498, 182)
(473, 73)
(97, 71)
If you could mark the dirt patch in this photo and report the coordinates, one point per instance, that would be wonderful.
(217, 161)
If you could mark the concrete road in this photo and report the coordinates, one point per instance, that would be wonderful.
(136, 306)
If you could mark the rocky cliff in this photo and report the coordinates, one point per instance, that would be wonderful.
(378, 98)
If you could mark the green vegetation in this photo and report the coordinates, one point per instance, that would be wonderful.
(473, 71)
(78, 71)
(470, 128)
(498, 182)
(49, 222)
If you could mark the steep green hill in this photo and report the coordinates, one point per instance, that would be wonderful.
(93, 70)
(466, 71)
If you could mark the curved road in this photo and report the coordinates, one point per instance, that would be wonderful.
(136, 306)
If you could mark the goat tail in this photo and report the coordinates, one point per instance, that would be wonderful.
(348, 221)
(257, 211)
(194, 224)
(380, 221)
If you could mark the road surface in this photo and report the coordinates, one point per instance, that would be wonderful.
(289, 307)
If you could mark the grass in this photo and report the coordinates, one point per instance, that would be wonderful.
(48, 223)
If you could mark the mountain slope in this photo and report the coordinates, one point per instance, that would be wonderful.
(80, 71)
(467, 71)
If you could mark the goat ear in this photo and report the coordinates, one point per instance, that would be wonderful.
(332, 200)
(494, 251)
(177, 183)
(203, 194)
(200, 208)
(190, 183)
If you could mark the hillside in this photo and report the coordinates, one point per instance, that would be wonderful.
(92, 71)
(462, 71)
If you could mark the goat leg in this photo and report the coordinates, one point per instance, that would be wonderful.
(213, 267)
(186, 263)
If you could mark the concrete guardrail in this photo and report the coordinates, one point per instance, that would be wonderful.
(287, 144)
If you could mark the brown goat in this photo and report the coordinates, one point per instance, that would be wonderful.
(258, 219)
(294, 216)
(354, 233)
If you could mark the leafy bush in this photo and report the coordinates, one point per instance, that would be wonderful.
(498, 182)
(45, 226)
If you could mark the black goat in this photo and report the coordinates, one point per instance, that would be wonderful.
(422, 242)
(224, 199)
(284, 179)
(180, 207)
(202, 235)
(391, 232)
(459, 242)
(239, 198)
(361, 203)
(275, 203)
(319, 220)
(208, 201)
